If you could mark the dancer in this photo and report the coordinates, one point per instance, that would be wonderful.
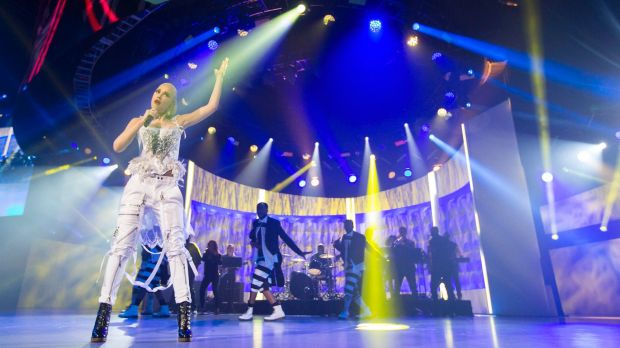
(153, 184)
(352, 246)
(138, 293)
(267, 260)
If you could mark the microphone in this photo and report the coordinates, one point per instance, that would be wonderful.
(148, 120)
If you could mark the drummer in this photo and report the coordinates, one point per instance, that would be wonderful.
(321, 264)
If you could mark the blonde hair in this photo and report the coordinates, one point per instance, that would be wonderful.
(172, 111)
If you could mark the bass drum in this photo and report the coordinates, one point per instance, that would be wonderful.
(303, 287)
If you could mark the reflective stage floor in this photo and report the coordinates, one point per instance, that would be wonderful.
(73, 330)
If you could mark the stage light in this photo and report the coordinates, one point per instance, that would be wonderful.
(4, 96)
(406, 125)
(412, 41)
(127, 172)
(449, 97)
(392, 175)
(192, 65)
(436, 56)
(316, 144)
(555, 236)
(408, 173)
(468, 105)
(603, 228)
(375, 25)
(242, 32)
(87, 151)
(302, 183)
(212, 44)
(253, 148)
(373, 157)
(365, 138)
(601, 146)
(270, 139)
(315, 181)
(301, 8)
(436, 167)
(352, 178)
(470, 72)
(105, 160)
(305, 156)
(202, 138)
(416, 26)
(216, 30)
(166, 76)
(547, 177)
(425, 128)
(583, 156)
(328, 19)
(442, 112)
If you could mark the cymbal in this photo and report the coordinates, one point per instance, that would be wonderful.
(327, 256)
(298, 259)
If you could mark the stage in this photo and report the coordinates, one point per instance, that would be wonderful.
(406, 306)
(44, 329)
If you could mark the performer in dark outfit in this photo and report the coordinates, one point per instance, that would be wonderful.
(138, 293)
(352, 246)
(212, 260)
(439, 254)
(267, 260)
(404, 255)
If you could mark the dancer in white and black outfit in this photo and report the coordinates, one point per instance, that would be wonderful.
(267, 260)
(352, 246)
(154, 185)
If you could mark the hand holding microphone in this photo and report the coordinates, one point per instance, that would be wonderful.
(148, 118)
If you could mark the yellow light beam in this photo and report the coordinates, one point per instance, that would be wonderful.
(284, 183)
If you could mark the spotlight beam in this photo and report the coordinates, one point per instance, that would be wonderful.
(284, 183)
(556, 72)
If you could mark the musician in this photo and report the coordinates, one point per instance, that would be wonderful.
(439, 251)
(322, 262)
(404, 257)
(268, 260)
(352, 246)
(454, 253)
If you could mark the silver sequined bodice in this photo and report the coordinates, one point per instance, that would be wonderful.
(159, 152)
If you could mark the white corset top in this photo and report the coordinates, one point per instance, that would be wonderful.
(159, 152)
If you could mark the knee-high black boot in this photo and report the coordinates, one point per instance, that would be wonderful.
(183, 319)
(100, 331)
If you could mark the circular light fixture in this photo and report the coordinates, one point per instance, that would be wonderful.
(302, 183)
(211, 130)
(253, 148)
(352, 178)
(328, 19)
(412, 41)
(375, 25)
(408, 173)
(314, 181)
(305, 156)
(547, 177)
(442, 112)
(392, 175)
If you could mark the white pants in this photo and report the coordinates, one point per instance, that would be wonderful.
(162, 194)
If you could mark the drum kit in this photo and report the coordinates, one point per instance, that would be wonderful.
(310, 280)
